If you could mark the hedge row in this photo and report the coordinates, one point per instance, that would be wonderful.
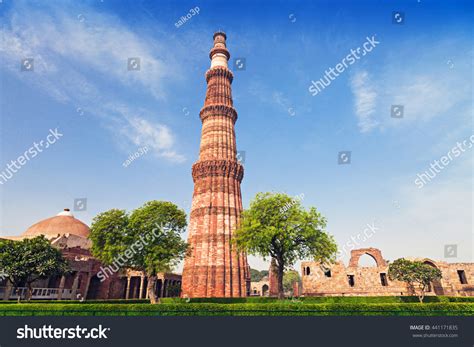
(248, 309)
(325, 299)
(265, 300)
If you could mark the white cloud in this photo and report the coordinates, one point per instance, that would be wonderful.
(365, 100)
(99, 43)
(135, 126)
(73, 59)
(156, 136)
(426, 85)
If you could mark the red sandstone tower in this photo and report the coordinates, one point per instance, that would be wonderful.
(214, 268)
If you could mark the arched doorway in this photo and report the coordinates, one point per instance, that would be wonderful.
(367, 260)
(265, 289)
(372, 252)
(436, 286)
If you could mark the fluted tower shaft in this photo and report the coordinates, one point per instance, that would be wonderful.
(214, 268)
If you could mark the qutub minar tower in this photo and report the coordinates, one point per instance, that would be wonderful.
(214, 268)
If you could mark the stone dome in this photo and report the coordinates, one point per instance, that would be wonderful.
(63, 223)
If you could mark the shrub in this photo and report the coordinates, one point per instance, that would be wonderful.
(265, 300)
(239, 309)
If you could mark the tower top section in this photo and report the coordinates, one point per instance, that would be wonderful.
(220, 33)
(219, 54)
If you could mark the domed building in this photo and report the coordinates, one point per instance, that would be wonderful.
(64, 222)
(88, 278)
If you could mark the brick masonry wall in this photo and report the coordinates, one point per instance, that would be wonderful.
(368, 282)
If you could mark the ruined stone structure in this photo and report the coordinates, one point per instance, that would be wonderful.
(214, 268)
(296, 289)
(260, 288)
(273, 278)
(268, 285)
(167, 285)
(70, 236)
(355, 280)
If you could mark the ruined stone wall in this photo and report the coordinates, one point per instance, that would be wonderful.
(261, 288)
(273, 278)
(355, 280)
(450, 283)
(366, 281)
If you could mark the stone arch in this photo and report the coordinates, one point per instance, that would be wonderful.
(430, 263)
(265, 289)
(367, 260)
(436, 285)
(375, 253)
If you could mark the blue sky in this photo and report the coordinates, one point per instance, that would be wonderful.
(81, 85)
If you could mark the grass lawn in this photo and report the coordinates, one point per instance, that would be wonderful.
(315, 306)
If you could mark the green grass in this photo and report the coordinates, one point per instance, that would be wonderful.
(285, 308)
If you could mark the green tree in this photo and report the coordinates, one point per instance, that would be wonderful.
(28, 260)
(109, 233)
(279, 227)
(147, 240)
(416, 274)
(289, 278)
(256, 276)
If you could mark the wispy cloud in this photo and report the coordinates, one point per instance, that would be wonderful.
(135, 126)
(159, 137)
(365, 98)
(271, 97)
(428, 87)
(75, 56)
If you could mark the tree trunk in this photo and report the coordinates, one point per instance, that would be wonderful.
(421, 296)
(411, 289)
(18, 298)
(150, 288)
(29, 292)
(281, 291)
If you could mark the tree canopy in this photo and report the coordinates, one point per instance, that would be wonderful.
(278, 226)
(289, 278)
(28, 260)
(416, 274)
(147, 239)
(256, 275)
